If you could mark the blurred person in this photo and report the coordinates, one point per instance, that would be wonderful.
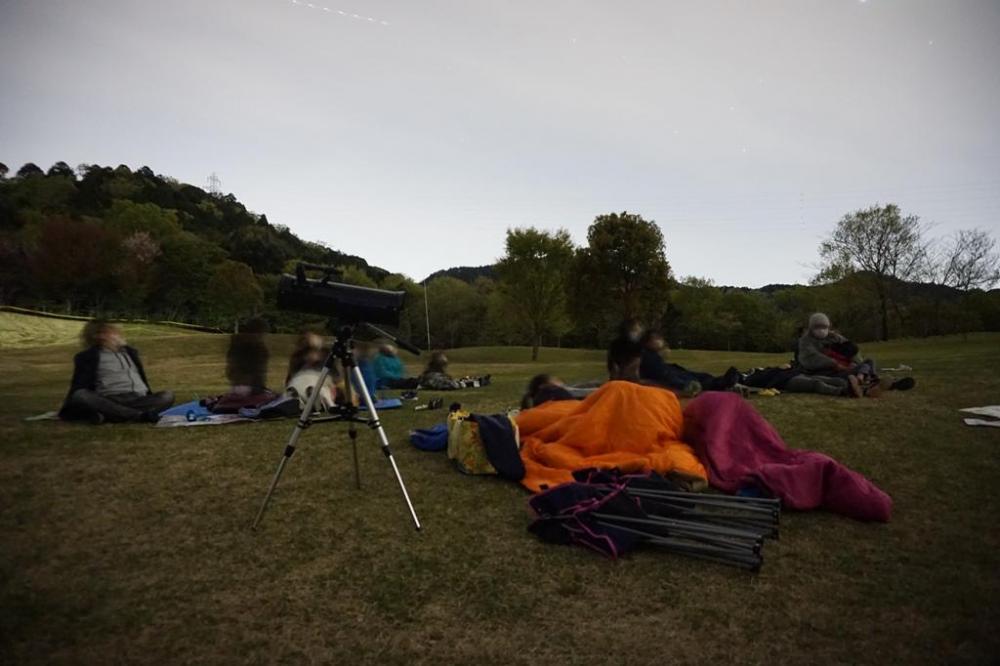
(109, 382)
(654, 368)
(247, 358)
(389, 369)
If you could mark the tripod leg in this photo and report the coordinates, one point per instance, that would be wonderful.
(304, 418)
(384, 440)
(352, 432)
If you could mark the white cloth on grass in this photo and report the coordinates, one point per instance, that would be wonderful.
(988, 410)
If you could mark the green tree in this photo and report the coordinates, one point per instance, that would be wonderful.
(134, 270)
(533, 279)
(72, 261)
(234, 292)
(621, 273)
(456, 312)
(356, 276)
(259, 247)
(128, 218)
(970, 261)
(183, 272)
(62, 169)
(29, 170)
(880, 243)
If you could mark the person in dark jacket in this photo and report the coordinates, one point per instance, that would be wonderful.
(654, 369)
(625, 351)
(109, 382)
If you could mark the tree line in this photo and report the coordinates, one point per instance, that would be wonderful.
(135, 244)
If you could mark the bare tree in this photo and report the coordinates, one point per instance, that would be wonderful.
(969, 260)
(882, 244)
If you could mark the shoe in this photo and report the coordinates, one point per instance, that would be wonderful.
(904, 384)
(152, 416)
(855, 390)
(97, 418)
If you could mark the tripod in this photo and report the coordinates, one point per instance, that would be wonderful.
(342, 350)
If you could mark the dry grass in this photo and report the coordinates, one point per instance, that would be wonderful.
(128, 544)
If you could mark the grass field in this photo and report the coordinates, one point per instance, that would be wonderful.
(126, 544)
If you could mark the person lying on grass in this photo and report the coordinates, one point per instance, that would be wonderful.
(824, 351)
(547, 388)
(654, 369)
(791, 379)
(109, 382)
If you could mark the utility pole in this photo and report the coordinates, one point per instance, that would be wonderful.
(427, 317)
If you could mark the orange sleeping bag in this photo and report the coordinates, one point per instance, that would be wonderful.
(632, 427)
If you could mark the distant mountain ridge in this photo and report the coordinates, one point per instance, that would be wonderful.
(466, 273)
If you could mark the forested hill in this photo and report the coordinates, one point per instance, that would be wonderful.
(137, 242)
(466, 273)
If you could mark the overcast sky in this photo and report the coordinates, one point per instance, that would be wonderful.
(415, 133)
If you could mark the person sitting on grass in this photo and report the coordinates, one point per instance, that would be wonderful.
(390, 371)
(654, 369)
(435, 376)
(304, 368)
(109, 382)
(823, 351)
(247, 357)
(625, 351)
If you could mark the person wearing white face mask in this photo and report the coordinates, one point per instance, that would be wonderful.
(823, 351)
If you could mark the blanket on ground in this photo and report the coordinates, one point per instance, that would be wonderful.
(740, 449)
(632, 427)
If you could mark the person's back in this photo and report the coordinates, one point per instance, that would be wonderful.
(388, 366)
(246, 361)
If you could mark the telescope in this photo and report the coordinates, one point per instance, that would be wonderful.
(342, 303)
(348, 308)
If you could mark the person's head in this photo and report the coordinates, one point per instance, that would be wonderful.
(537, 383)
(102, 333)
(631, 329)
(653, 340)
(364, 350)
(819, 325)
(387, 349)
(438, 362)
(309, 340)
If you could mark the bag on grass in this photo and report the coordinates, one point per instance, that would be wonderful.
(472, 456)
